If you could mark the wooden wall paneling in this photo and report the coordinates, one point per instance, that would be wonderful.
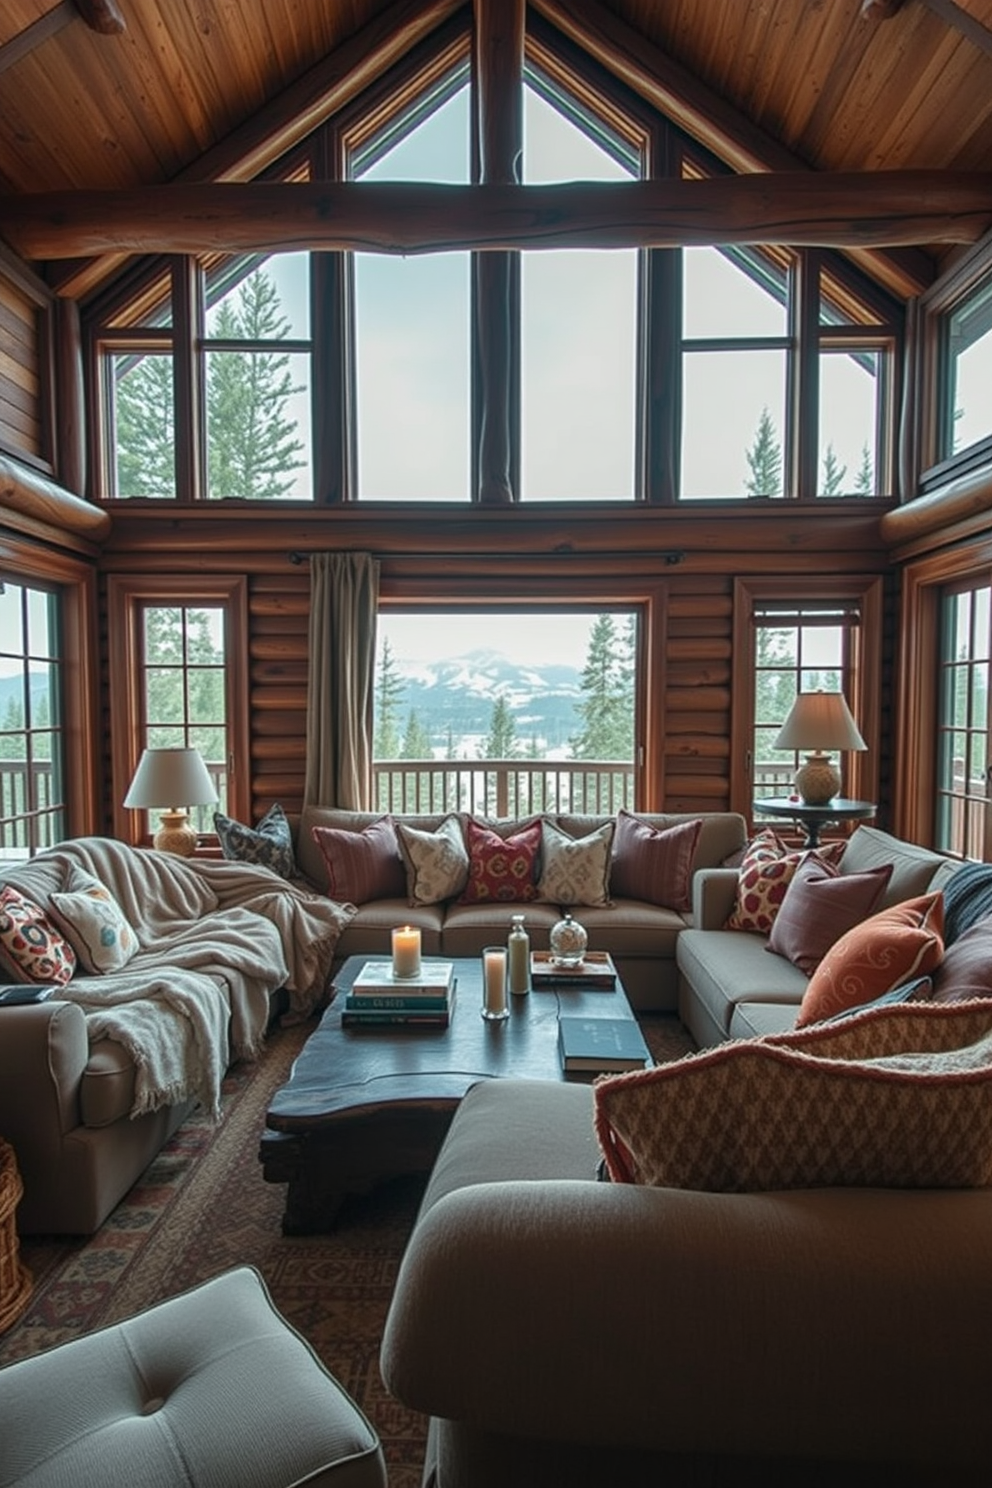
(21, 426)
(697, 695)
(278, 620)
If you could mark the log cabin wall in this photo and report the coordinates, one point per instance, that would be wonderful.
(25, 425)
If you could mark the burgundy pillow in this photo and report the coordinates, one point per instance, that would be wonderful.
(966, 970)
(501, 870)
(362, 866)
(820, 906)
(653, 863)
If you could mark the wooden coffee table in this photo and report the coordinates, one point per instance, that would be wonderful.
(362, 1105)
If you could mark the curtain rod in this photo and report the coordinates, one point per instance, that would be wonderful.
(668, 556)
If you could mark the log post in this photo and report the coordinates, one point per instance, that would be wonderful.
(70, 431)
(499, 43)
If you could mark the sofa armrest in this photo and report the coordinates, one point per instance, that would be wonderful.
(44, 1050)
(713, 893)
(781, 1323)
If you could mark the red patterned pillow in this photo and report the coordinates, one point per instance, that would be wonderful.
(32, 945)
(766, 872)
(653, 863)
(875, 957)
(362, 866)
(501, 869)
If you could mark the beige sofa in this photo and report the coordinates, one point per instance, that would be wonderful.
(731, 986)
(562, 1330)
(641, 937)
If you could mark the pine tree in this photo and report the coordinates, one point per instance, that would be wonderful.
(864, 485)
(389, 690)
(607, 695)
(833, 474)
(501, 741)
(252, 444)
(416, 740)
(764, 460)
(145, 427)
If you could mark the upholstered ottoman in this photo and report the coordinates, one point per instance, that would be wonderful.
(211, 1388)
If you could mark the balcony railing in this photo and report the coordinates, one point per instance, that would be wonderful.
(503, 787)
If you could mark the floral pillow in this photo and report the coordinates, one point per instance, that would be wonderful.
(436, 862)
(269, 845)
(575, 870)
(766, 872)
(501, 870)
(94, 923)
(33, 949)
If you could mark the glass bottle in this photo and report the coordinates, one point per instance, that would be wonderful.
(568, 941)
(518, 946)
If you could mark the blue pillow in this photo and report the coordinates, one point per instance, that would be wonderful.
(269, 845)
(918, 990)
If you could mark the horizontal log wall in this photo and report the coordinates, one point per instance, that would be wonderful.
(21, 427)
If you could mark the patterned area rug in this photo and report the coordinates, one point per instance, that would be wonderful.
(203, 1206)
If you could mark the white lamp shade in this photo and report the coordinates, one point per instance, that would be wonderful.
(171, 778)
(820, 721)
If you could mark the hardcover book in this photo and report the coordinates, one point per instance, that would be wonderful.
(376, 980)
(424, 1012)
(601, 1045)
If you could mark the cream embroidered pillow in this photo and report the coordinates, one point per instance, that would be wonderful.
(436, 862)
(575, 870)
(93, 923)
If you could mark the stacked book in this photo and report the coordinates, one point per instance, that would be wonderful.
(378, 998)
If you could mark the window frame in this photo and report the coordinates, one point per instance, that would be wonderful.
(127, 597)
(861, 682)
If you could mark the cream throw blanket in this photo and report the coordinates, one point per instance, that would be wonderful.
(216, 939)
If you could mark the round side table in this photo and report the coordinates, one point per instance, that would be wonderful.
(15, 1278)
(813, 818)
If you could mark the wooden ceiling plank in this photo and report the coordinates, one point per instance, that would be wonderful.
(961, 20)
(800, 208)
(45, 27)
(707, 116)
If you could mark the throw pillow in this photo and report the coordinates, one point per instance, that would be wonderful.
(575, 870)
(966, 970)
(890, 1097)
(269, 845)
(501, 869)
(364, 865)
(766, 872)
(436, 862)
(875, 957)
(34, 950)
(819, 907)
(94, 923)
(653, 863)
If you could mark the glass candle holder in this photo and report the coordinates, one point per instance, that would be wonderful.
(495, 1005)
(406, 952)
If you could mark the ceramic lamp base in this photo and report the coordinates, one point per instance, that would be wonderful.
(818, 780)
(176, 834)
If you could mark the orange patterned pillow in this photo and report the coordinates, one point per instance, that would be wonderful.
(874, 957)
(766, 872)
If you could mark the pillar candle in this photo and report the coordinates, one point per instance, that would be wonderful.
(494, 980)
(406, 952)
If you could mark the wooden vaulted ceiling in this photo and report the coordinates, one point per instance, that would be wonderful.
(824, 85)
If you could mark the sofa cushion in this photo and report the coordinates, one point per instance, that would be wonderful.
(819, 907)
(966, 968)
(766, 871)
(106, 1091)
(575, 870)
(31, 946)
(363, 865)
(652, 863)
(891, 1097)
(436, 861)
(268, 845)
(913, 868)
(470, 927)
(94, 923)
(725, 968)
(873, 958)
(369, 931)
(502, 867)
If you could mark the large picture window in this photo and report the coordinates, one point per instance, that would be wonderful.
(33, 807)
(962, 817)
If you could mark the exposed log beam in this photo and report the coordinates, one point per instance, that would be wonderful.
(499, 49)
(871, 209)
(708, 117)
(101, 15)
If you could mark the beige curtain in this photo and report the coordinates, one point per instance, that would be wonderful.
(344, 601)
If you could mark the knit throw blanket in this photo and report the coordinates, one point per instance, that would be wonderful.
(967, 899)
(216, 940)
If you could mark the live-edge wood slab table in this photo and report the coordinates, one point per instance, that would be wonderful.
(362, 1105)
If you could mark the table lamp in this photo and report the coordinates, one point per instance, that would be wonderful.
(163, 777)
(819, 721)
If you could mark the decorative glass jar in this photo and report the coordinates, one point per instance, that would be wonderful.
(568, 940)
(518, 947)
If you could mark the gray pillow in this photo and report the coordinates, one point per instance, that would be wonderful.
(269, 845)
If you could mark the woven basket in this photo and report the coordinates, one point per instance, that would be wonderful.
(15, 1278)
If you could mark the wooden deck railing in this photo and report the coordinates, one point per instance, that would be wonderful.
(503, 787)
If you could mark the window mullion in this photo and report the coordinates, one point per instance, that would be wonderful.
(801, 435)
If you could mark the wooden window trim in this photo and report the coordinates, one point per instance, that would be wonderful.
(126, 595)
(861, 769)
